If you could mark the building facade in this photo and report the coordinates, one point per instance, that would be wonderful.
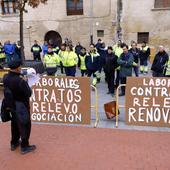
(81, 20)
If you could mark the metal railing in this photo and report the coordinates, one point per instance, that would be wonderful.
(117, 104)
(96, 106)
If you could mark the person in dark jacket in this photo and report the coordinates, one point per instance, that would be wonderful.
(78, 48)
(160, 60)
(92, 63)
(109, 68)
(36, 50)
(135, 52)
(21, 92)
(126, 64)
(98, 44)
(102, 52)
(144, 56)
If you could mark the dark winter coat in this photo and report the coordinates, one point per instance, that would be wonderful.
(92, 61)
(19, 87)
(135, 54)
(145, 53)
(110, 62)
(159, 62)
(126, 63)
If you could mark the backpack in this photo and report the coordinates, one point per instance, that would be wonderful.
(8, 105)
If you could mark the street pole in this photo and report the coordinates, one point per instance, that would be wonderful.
(91, 21)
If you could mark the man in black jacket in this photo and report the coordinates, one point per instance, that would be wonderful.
(160, 60)
(21, 92)
(109, 68)
(36, 50)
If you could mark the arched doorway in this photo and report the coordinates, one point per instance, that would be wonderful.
(54, 37)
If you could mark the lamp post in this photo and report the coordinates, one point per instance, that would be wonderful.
(91, 21)
(21, 6)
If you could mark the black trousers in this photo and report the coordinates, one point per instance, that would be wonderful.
(90, 73)
(156, 74)
(110, 80)
(123, 81)
(83, 73)
(51, 71)
(37, 57)
(61, 67)
(70, 71)
(19, 130)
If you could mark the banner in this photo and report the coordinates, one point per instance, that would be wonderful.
(61, 100)
(148, 101)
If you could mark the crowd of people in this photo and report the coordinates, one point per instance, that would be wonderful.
(117, 62)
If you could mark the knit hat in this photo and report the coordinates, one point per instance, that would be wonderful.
(13, 64)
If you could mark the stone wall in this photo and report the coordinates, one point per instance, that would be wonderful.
(53, 16)
(140, 16)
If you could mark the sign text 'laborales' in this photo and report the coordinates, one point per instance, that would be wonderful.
(61, 100)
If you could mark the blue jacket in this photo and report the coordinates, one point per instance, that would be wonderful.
(9, 49)
(92, 61)
(45, 49)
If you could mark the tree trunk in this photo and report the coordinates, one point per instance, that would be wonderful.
(21, 35)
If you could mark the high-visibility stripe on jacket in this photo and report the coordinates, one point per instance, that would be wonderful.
(51, 60)
(2, 54)
(167, 72)
(82, 62)
(69, 59)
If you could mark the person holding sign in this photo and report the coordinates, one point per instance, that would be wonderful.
(51, 60)
(21, 119)
(160, 60)
(70, 60)
(125, 61)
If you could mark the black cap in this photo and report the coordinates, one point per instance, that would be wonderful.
(14, 64)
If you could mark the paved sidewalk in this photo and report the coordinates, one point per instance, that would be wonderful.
(76, 148)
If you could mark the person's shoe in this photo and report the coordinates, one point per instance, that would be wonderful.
(14, 146)
(28, 149)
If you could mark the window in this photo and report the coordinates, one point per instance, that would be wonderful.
(9, 7)
(100, 33)
(143, 36)
(74, 7)
(162, 4)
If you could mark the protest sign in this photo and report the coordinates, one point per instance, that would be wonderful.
(148, 101)
(61, 100)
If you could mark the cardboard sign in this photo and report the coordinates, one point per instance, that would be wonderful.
(148, 101)
(61, 100)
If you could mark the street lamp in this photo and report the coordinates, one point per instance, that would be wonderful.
(91, 21)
